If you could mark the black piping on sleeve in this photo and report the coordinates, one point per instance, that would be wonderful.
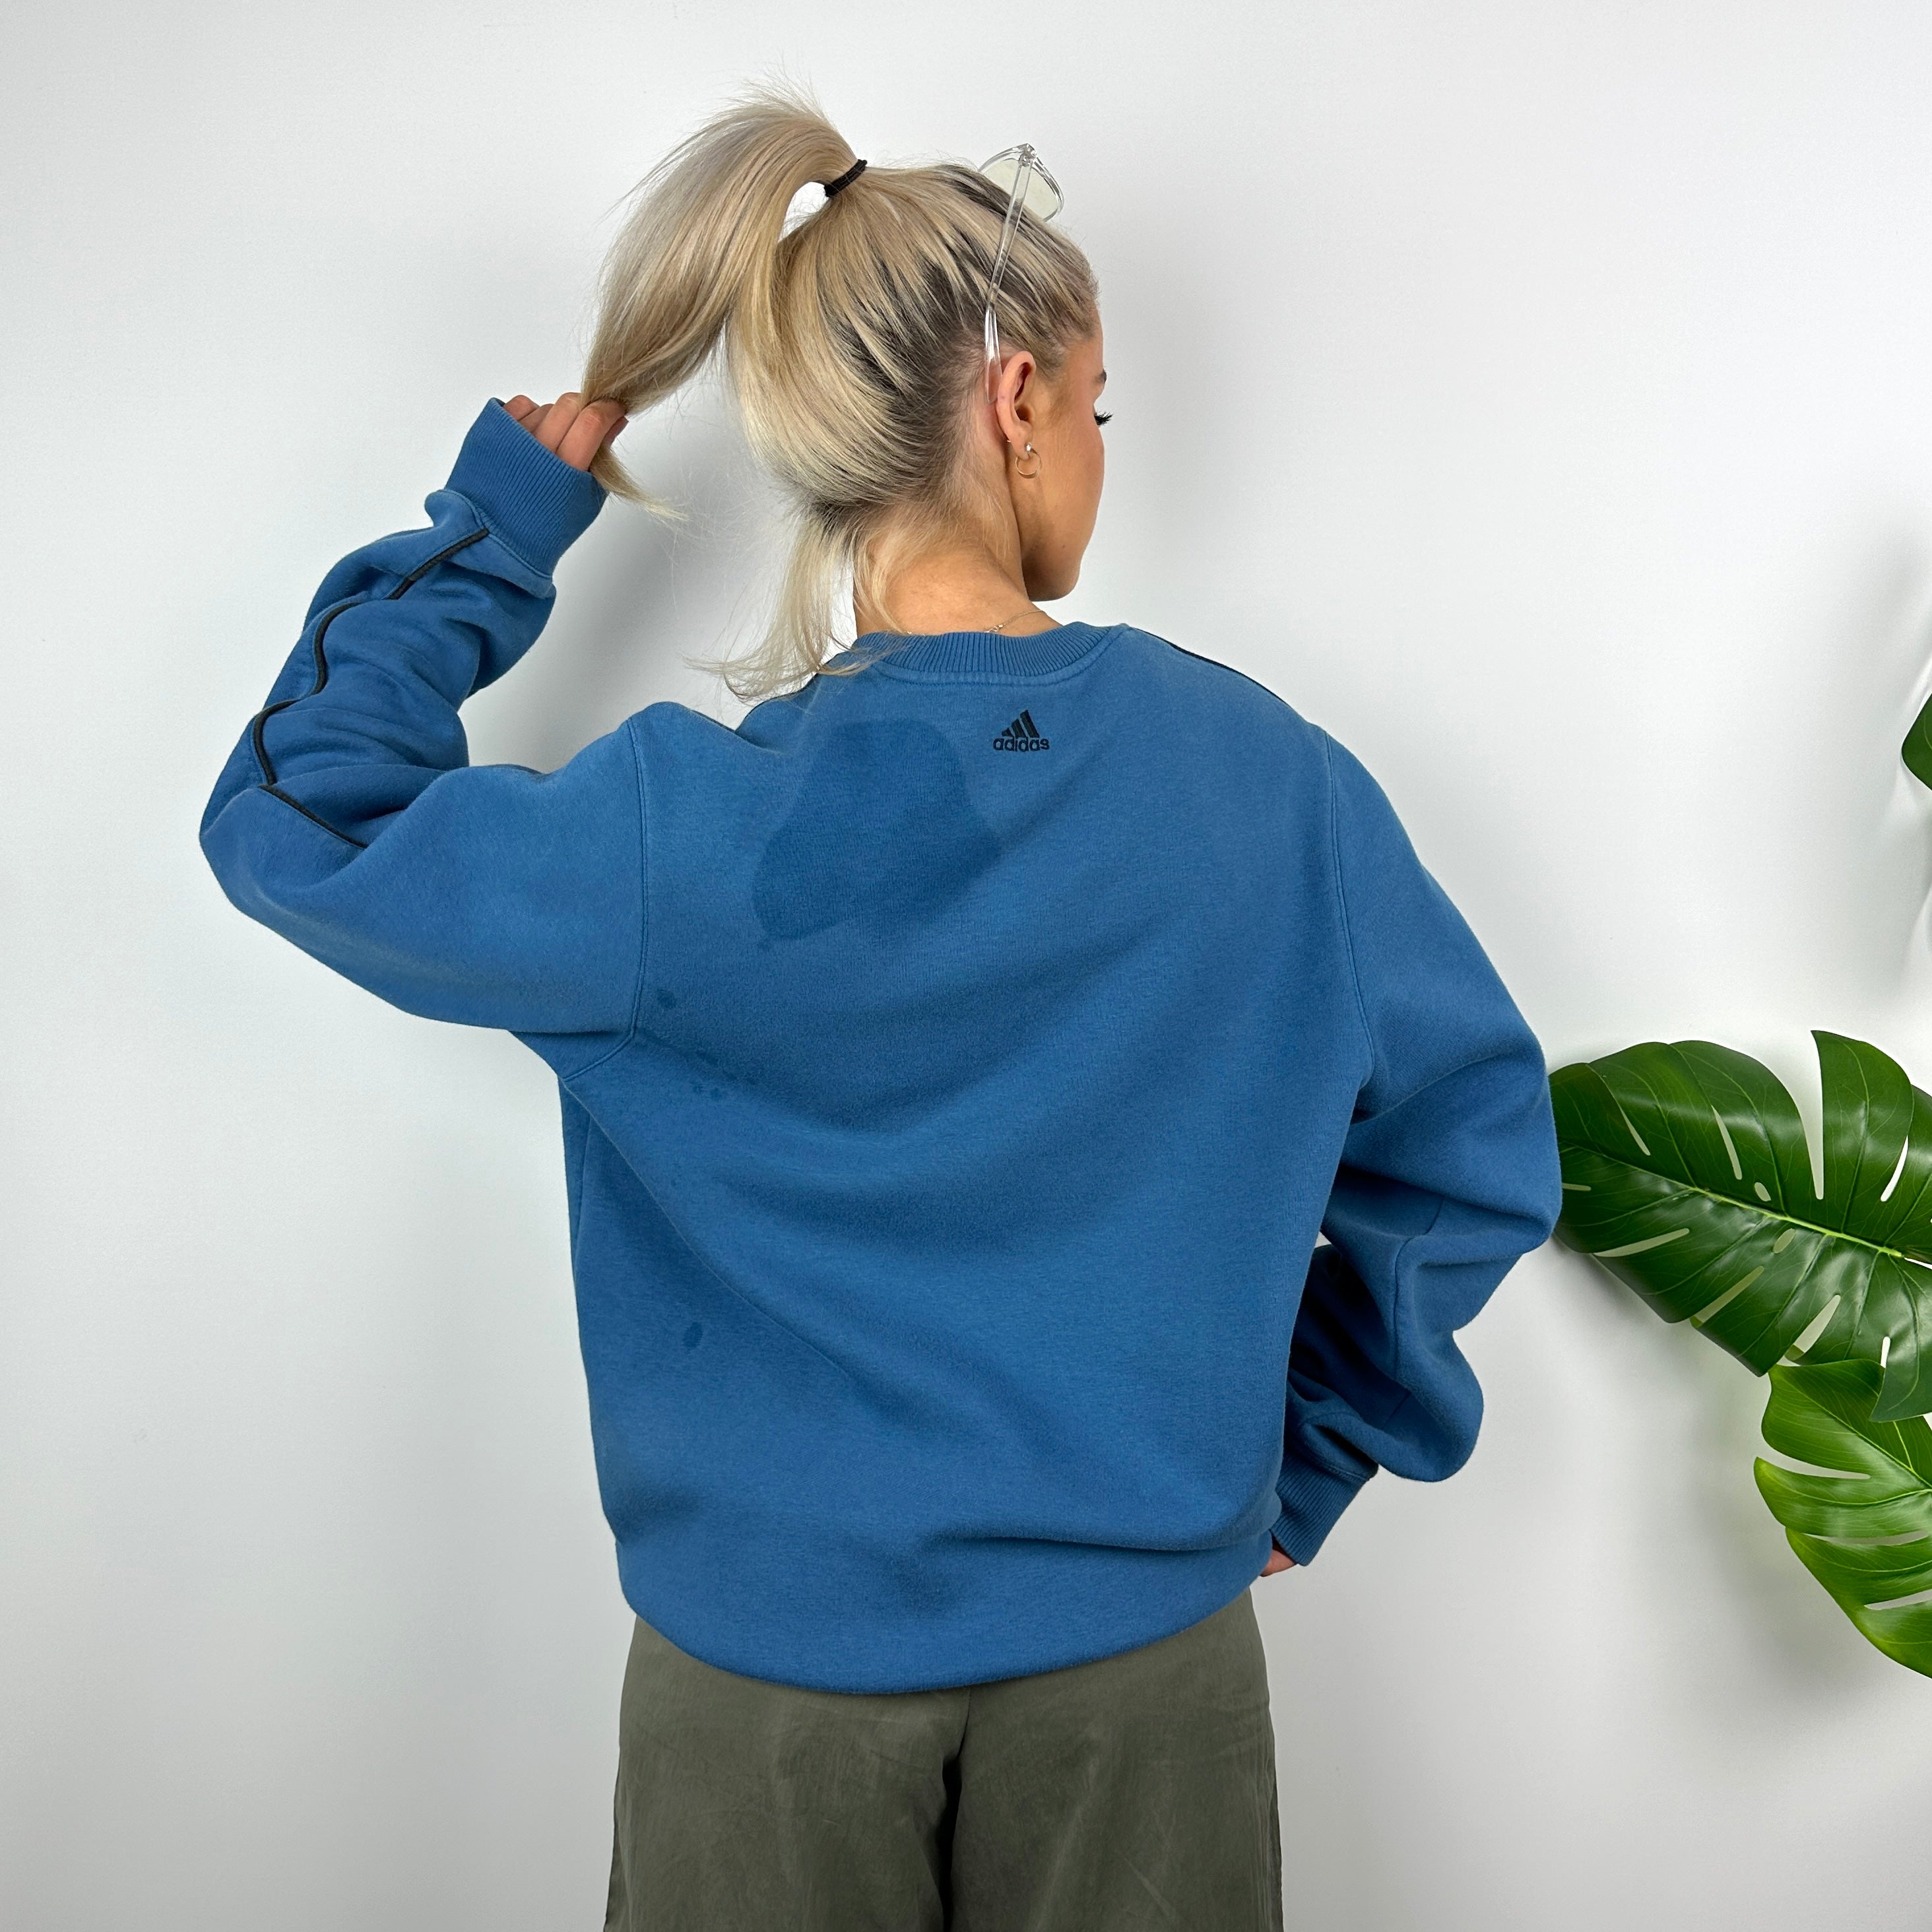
(269, 783)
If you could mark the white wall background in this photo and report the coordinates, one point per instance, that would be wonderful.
(1538, 396)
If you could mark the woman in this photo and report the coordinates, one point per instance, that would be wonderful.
(960, 1060)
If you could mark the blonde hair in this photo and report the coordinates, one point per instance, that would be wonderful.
(851, 342)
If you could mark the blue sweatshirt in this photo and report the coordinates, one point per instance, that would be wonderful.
(960, 1062)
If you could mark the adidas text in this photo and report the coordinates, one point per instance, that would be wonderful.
(1022, 735)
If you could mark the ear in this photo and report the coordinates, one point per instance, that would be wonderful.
(1015, 399)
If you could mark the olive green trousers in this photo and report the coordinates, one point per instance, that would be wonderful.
(1134, 1792)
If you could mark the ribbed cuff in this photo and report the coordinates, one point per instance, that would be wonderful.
(531, 499)
(1311, 1501)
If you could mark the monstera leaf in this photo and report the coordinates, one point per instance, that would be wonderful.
(1822, 1414)
(1686, 1172)
(1917, 749)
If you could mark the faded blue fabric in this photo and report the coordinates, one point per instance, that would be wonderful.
(958, 1059)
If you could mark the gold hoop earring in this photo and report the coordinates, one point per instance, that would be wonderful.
(1035, 470)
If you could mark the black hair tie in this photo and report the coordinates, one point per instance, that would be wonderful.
(845, 180)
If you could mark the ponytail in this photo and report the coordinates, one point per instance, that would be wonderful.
(851, 344)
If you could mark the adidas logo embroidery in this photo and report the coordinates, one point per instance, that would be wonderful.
(1022, 735)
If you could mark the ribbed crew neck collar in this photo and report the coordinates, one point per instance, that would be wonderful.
(975, 655)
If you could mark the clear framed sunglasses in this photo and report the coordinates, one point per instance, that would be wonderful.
(1020, 171)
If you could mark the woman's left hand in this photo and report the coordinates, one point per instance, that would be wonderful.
(570, 427)
(1278, 1559)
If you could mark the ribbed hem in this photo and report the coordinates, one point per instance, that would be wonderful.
(1311, 1501)
(869, 1637)
(979, 656)
(531, 499)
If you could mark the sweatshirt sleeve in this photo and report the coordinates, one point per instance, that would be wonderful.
(350, 819)
(1448, 1173)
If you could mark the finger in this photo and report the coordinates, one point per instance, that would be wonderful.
(556, 423)
(519, 407)
(593, 428)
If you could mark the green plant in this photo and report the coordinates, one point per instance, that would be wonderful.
(1687, 1173)
(1917, 749)
(1822, 1415)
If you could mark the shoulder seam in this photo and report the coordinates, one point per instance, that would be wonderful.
(1231, 670)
